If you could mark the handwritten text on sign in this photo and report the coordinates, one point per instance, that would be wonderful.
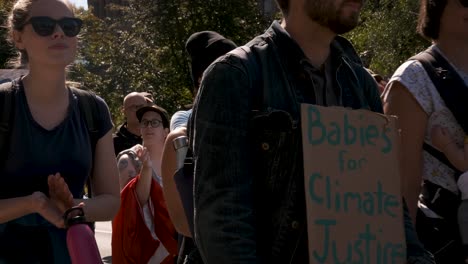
(352, 186)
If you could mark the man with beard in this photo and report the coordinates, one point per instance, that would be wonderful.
(249, 180)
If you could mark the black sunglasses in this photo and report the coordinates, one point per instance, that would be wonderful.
(464, 3)
(45, 26)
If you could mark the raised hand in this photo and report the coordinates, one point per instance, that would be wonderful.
(60, 200)
(144, 157)
(59, 193)
(42, 205)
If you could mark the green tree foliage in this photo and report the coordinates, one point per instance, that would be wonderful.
(387, 34)
(144, 48)
(112, 63)
(6, 51)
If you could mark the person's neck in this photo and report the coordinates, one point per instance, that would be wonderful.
(44, 85)
(454, 50)
(155, 153)
(313, 38)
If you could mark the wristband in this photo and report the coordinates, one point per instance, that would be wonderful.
(180, 142)
(74, 215)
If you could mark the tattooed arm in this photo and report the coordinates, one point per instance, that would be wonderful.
(128, 171)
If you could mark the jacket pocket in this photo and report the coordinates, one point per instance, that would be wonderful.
(274, 133)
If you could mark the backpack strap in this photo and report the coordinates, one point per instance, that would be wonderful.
(7, 103)
(87, 103)
(451, 88)
(448, 83)
(453, 91)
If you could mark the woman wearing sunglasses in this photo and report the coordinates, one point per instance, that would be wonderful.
(142, 231)
(50, 151)
(428, 184)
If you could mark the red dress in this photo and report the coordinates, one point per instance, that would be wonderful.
(132, 241)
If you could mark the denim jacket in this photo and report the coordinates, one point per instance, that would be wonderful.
(249, 181)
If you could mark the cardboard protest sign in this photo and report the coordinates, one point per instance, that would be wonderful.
(352, 186)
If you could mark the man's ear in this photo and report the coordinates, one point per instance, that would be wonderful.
(18, 39)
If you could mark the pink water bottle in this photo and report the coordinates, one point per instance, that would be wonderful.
(81, 243)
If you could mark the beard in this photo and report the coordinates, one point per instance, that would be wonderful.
(326, 14)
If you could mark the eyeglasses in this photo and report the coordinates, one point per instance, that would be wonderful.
(464, 3)
(153, 123)
(134, 108)
(45, 26)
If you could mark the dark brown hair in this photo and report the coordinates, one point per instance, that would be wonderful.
(15, 21)
(18, 16)
(430, 13)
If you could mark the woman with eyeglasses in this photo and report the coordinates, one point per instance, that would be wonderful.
(429, 182)
(142, 231)
(50, 155)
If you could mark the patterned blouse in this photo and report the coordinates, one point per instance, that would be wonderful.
(413, 76)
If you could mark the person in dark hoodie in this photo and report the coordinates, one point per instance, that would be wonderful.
(249, 193)
(203, 48)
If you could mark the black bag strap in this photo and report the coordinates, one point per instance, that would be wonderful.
(87, 103)
(448, 82)
(442, 158)
(451, 88)
(7, 103)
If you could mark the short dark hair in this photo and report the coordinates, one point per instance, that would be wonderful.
(430, 13)
(283, 5)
